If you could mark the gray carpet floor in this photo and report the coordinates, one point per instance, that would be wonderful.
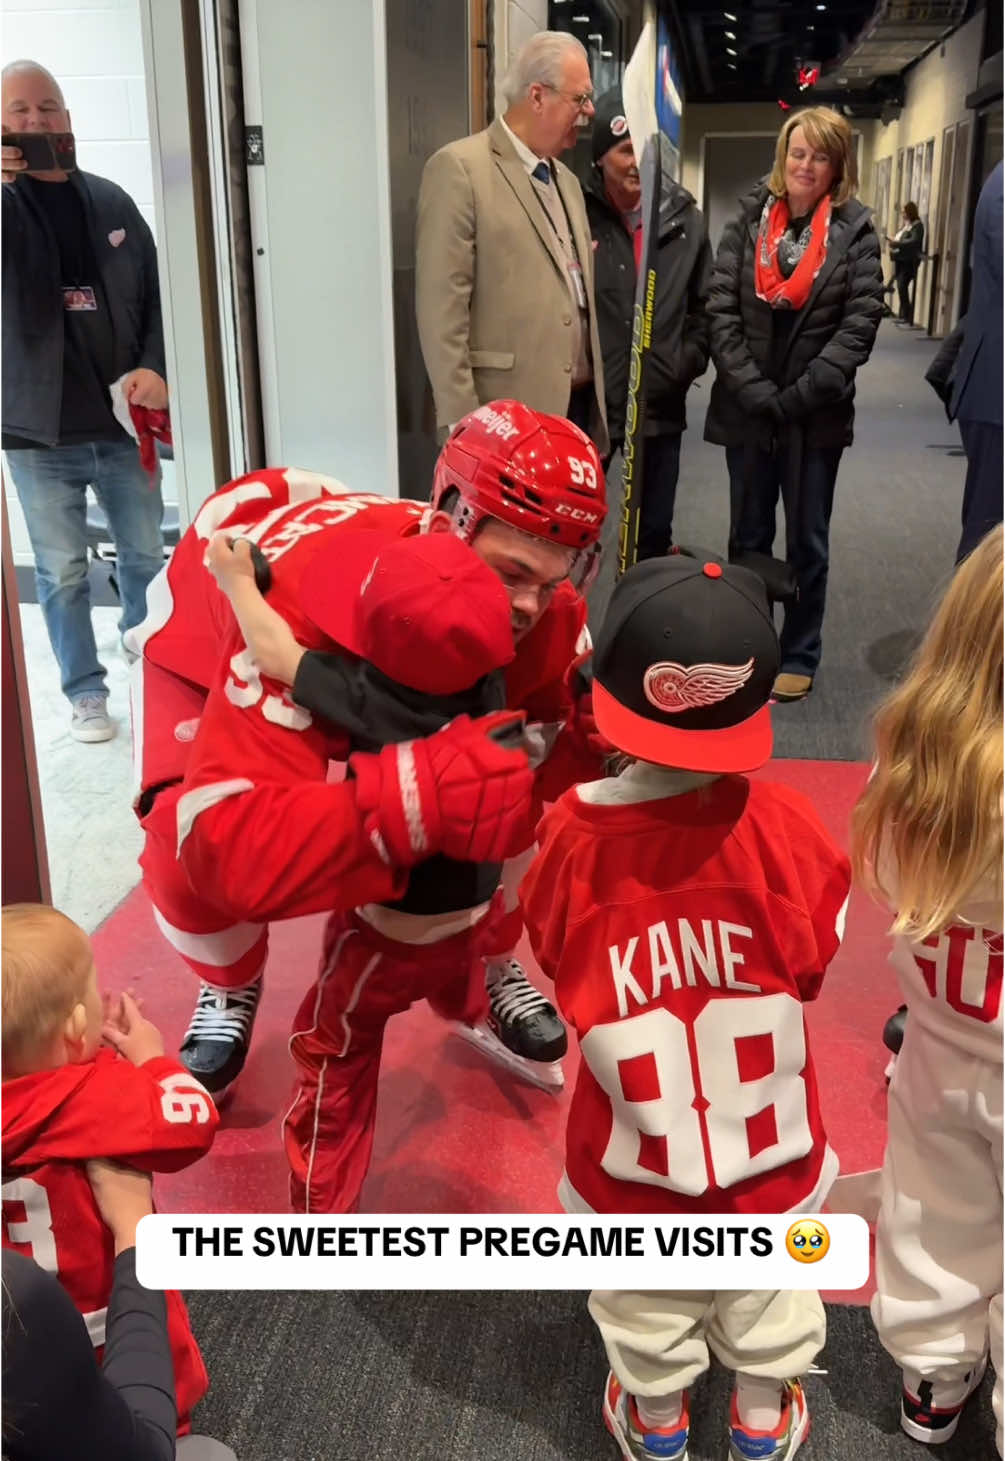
(894, 532)
(497, 1377)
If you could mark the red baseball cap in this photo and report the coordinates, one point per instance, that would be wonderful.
(425, 610)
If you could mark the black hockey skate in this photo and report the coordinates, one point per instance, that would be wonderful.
(216, 1042)
(523, 1031)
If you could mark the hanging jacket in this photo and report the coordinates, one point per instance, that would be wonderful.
(812, 379)
(679, 352)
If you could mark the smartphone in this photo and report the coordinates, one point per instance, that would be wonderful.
(45, 151)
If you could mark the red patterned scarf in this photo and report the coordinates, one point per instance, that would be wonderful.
(769, 281)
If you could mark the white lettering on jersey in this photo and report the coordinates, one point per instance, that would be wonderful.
(184, 1101)
(965, 970)
(244, 689)
(710, 954)
(745, 1066)
(35, 1230)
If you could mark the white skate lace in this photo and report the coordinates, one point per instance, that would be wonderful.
(223, 1015)
(511, 994)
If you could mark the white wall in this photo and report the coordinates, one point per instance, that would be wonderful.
(515, 21)
(94, 49)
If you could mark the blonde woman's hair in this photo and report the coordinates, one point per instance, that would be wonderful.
(827, 131)
(930, 818)
(46, 963)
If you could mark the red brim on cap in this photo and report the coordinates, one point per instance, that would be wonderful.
(332, 581)
(742, 747)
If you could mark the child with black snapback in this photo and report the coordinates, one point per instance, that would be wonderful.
(686, 914)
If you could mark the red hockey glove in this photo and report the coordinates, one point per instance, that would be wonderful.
(581, 724)
(462, 792)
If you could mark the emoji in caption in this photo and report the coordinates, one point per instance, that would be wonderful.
(807, 1240)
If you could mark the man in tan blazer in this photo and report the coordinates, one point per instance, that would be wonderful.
(504, 260)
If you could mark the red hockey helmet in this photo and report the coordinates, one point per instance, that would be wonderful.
(538, 473)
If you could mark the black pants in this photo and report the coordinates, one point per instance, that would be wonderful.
(660, 470)
(580, 411)
(982, 494)
(756, 478)
(904, 275)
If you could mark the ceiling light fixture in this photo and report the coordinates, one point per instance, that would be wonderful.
(730, 35)
(730, 51)
(728, 16)
(580, 20)
(595, 36)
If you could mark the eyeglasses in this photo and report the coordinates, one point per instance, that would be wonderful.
(580, 99)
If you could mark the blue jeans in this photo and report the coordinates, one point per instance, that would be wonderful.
(51, 484)
(808, 497)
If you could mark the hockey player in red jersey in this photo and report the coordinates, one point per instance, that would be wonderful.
(67, 1101)
(685, 915)
(527, 491)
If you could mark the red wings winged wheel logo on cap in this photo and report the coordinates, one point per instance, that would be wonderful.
(673, 688)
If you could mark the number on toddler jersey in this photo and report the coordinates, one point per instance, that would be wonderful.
(184, 1100)
(712, 1103)
(34, 1229)
(966, 970)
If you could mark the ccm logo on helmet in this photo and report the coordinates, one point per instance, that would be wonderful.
(578, 514)
(495, 423)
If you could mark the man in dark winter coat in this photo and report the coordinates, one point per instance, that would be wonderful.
(81, 312)
(679, 351)
(977, 385)
(795, 302)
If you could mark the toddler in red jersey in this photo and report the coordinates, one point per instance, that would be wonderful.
(686, 914)
(69, 1098)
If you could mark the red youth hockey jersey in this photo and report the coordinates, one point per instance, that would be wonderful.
(684, 934)
(260, 832)
(155, 1117)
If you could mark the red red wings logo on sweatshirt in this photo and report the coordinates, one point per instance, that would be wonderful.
(673, 688)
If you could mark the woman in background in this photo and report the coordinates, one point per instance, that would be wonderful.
(795, 302)
(905, 251)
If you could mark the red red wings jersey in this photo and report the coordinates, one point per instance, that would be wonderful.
(683, 934)
(155, 1117)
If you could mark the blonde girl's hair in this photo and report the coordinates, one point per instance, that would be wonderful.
(931, 816)
(827, 131)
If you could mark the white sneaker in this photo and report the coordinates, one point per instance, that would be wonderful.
(91, 721)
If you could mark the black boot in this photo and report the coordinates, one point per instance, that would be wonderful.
(893, 1030)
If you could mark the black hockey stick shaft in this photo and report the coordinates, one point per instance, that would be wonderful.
(650, 172)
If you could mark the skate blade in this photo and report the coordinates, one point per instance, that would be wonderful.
(545, 1075)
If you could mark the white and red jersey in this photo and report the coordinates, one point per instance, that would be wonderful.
(260, 832)
(155, 1117)
(684, 932)
(952, 981)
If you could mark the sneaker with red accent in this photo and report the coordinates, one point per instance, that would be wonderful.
(932, 1415)
(779, 1444)
(639, 1442)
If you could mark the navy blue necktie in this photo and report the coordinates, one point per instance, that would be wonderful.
(542, 172)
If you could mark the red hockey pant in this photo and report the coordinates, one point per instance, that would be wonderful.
(337, 1038)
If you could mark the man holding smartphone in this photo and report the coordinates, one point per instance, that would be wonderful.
(81, 310)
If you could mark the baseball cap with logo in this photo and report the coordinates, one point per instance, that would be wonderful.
(425, 610)
(685, 663)
(610, 125)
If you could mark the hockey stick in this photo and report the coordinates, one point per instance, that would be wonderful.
(643, 126)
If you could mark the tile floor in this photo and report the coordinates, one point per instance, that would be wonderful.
(92, 837)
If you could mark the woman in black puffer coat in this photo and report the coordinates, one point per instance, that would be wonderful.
(795, 302)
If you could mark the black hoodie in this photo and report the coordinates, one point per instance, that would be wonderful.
(680, 345)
